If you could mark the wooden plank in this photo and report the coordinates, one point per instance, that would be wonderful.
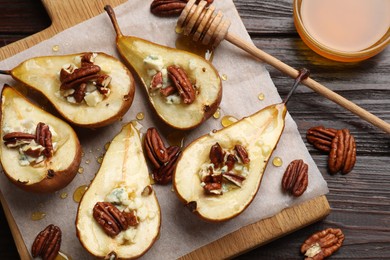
(69, 13)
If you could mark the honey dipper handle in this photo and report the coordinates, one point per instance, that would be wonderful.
(309, 82)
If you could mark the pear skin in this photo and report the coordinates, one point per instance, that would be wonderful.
(123, 166)
(259, 134)
(56, 172)
(209, 85)
(42, 74)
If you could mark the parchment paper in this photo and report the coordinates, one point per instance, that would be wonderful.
(181, 231)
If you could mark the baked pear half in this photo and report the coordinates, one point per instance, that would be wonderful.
(119, 215)
(219, 174)
(39, 152)
(183, 88)
(88, 89)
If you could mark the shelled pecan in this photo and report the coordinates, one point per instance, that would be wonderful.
(216, 155)
(183, 84)
(242, 153)
(111, 219)
(47, 243)
(155, 148)
(342, 156)
(163, 174)
(321, 137)
(295, 178)
(17, 138)
(170, 7)
(43, 137)
(322, 244)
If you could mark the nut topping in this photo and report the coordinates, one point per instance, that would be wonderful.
(163, 174)
(295, 178)
(322, 244)
(157, 81)
(47, 243)
(216, 155)
(182, 83)
(155, 148)
(17, 138)
(342, 156)
(321, 137)
(242, 153)
(43, 137)
(111, 219)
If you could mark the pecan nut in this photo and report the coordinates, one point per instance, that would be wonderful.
(321, 137)
(43, 137)
(155, 148)
(47, 243)
(163, 174)
(14, 139)
(216, 155)
(295, 178)
(109, 218)
(322, 244)
(170, 7)
(342, 156)
(182, 83)
(242, 153)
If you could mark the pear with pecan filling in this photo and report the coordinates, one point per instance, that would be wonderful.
(219, 174)
(119, 215)
(183, 88)
(88, 89)
(39, 152)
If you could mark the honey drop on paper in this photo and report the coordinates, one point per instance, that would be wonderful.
(224, 77)
(62, 256)
(217, 113)
(38, 215)
(64, 195)
(87, 161)
(79, 192)
(80, 170)
(277, 161)
(100, 159)
(261, 96)
(55, 48)
(140, 116)
(107, 145)
(228, 120)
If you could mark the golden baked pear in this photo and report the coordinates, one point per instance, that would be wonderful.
(39, 152)
(88, 89)
(219, 174)
(183, 88)
(119, 214)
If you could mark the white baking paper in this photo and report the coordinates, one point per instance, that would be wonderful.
(181, 231)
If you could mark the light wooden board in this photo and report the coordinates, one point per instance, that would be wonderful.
(65, 14)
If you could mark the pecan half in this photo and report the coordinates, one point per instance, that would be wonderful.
(182, 83)
(321, 137)
(231, 159)
(342, 155)
(295, 178)
(43, 137)
(109, 218)
(242, 153)
(47, 243)
(322, 244)
(87, 59)
(216, 155)
(157, 81)
(169, 90)
(79, 93)
(155, 148)
(163, 174)
(170, 7)
(234, 178)
(17, 138)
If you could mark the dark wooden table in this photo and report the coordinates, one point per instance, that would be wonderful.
(360, 201)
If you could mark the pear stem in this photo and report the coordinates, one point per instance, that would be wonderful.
(114, 22)
(5, 72)
(303, 74)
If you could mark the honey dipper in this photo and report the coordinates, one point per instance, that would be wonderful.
(209, 26)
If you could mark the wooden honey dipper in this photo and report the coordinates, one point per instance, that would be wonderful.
(209, 26)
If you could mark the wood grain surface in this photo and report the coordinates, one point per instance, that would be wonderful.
(360, 201)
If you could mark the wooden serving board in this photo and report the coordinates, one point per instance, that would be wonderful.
(65, 14)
